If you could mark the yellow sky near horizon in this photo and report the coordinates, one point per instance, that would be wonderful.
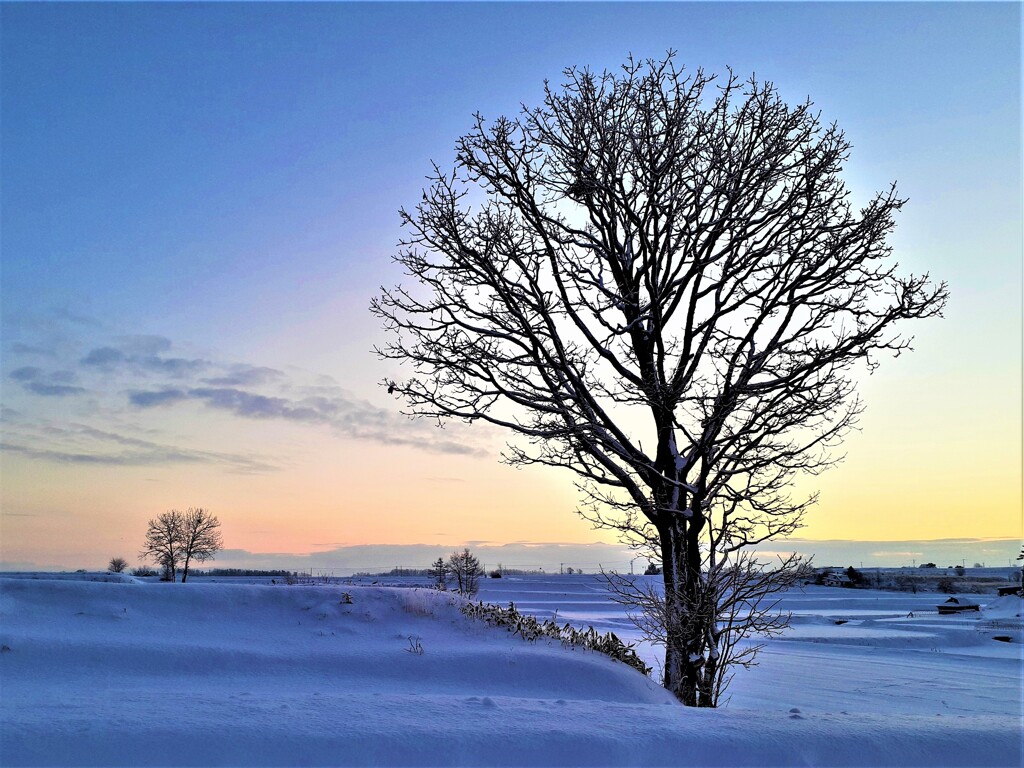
(900, 481)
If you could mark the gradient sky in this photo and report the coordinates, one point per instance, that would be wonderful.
(200, 201)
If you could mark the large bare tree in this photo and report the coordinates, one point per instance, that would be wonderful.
(658, 281)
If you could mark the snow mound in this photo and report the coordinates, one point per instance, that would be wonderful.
(102, 576)
(1006, 607)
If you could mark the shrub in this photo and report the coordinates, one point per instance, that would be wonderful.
(529, 628)
(947, 585)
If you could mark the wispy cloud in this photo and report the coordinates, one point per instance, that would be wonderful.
(103, 357)
(39, 382)
(156, 397)
(157, 455)
(255, 406)
(53, 390)
(347, 416)
(128, 374)
(28, 373)
(84, 444)
(142, 354)
(245, 376)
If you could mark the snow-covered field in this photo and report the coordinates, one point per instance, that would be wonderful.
(108, 673)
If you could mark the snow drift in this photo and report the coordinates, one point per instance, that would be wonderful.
(215, 674)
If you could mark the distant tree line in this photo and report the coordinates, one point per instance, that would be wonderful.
(245, 573)
(432, 571)
(954, 579)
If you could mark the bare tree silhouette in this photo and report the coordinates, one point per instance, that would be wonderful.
(657, 281)
(175, 538)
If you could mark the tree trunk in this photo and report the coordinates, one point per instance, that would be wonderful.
(690, 614)
(684, 623)
(184, 571)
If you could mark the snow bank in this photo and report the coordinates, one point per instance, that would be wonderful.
(212, 674)
(102, 576)
(1006, 607)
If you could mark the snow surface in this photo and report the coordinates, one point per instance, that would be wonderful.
(107, 673)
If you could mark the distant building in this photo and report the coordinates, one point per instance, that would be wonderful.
(838, 580)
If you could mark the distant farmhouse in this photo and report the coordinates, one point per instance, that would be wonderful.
(837, 580)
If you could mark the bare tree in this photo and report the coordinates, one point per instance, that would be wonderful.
(163, 542)
(465, 569)
(175, 538)
(201, 539)
(117, 565)
(662, 285)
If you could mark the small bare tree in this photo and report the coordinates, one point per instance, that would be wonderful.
(201, 538)
(662, 286)
(163, 542)
(466, 570)
(117, 565)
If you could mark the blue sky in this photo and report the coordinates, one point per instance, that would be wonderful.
(217, 185)
(213, 148)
